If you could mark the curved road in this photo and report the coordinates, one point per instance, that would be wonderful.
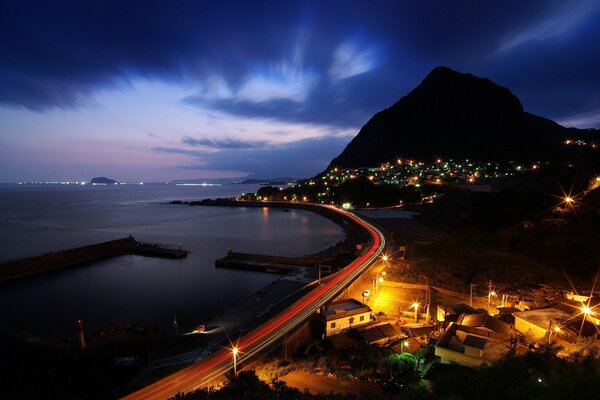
(221, 361)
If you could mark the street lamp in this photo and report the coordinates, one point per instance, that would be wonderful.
(490, 294)
(377, 281)
(384, 258)
(234, 351)
(585, 310)
(416, 307)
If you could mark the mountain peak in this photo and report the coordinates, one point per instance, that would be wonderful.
(453, 115)
(464, 86)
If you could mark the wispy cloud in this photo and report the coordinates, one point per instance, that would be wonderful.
(289, 159)
(350, 59)
(558, 22)
(227, 143)
(585, 120)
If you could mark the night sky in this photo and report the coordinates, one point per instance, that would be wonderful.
(161, 90)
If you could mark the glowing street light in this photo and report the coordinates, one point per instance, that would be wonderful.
(235, 351)
(490, 294)
(569, 200)
(416, 307)
(586, 310)
(384, 258)
(378, 279)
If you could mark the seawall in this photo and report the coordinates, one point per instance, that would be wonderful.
(53, 261)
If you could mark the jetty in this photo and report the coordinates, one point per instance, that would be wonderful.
(276, 264)
(53, 261)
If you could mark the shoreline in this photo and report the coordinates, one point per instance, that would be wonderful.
(234, 321)
(353, 234)
(254, 310)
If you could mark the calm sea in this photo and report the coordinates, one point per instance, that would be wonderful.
(131, 289)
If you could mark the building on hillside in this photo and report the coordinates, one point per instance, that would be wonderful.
(463, 345)
(559, 319)
(537, 322)
(451, 312)
(345, 314)
(381, 334)
(486, 325)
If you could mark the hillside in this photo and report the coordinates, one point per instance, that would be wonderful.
(456, 115)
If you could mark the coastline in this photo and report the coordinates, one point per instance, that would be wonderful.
(257, 308)
(166, 352)
(353, 234)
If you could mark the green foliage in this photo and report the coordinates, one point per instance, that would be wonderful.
(401, 363)
(533, 376)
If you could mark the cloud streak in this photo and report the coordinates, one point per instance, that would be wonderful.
(228, 143)
(261, 80)
(559, 22)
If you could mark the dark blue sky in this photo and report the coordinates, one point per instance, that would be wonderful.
(159, 90)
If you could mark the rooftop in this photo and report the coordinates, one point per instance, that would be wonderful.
(345, 307)
(542, 317)
(475, 341)
(460, 308)
(379, 332)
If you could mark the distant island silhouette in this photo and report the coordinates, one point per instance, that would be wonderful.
(102, 180)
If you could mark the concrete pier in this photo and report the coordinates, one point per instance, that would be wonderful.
(61, 259)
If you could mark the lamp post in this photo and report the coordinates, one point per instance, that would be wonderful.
(490, 294)
(416, 307)
(551, 330)
(427, 295)
(377, 281)
(585, 310)
(471, 294)
(234, 351)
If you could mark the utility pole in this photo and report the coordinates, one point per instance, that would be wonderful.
(549, 333)
(490, 291)
(319, 274)
(81, 335)
(471, 295)
(427, 296)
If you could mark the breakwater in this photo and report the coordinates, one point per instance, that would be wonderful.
(53, 261)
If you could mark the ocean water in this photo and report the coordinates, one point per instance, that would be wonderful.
(35, 219)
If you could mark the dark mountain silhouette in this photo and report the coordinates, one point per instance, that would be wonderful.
(456, 115)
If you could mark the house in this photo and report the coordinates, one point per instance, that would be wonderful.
(344, 314)
(380, 334)
(485, 325)
(450, 313)
(559, 318)
(463, 345)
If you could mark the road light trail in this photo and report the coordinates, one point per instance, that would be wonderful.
(220, 362)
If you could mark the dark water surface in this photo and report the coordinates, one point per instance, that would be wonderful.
(149, 291)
